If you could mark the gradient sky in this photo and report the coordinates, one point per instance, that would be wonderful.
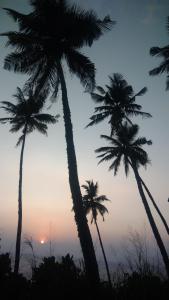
(46, 196)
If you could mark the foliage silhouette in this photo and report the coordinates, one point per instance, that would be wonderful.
(5, 265)
(25, 115)
(93, 204)
(49, 36)
(118, 103)
(126, 146)
(162, 52)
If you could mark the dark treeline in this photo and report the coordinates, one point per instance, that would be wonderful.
(62, 279)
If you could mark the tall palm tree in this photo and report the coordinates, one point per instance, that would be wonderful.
(25, 115)
(162, 52)
(51, 35)
(93, 204)
(117, 103)
(125, 146)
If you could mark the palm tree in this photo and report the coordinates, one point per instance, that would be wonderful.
(118, 103)
(25, 115)
(49, 36)
(162, 52)
(93, 203)
(125, 146)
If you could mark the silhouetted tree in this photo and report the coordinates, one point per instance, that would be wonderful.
(25, 115)
(5, 265)
(162, 52)
(118, 103)
(50, 35)
(126, 146)
(93, 204)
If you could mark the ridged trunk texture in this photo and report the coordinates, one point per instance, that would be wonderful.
(19, 227)
(84, 235)
(104, 255)
(151, 220)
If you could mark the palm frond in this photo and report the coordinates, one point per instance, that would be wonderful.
(5, 120)
(46, 118)
(102, 198)
(97, 119)
(141, 92)
(141, 141)
(163, 67)
(97, 98)
(116, 164)
(155, 51)
(81, 66)
(100, 90)
(19, 140)
(112, 140)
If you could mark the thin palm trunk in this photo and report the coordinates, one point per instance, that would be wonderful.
(151, 220)
(104, 255)
(80, 217)
(19, 227)
(155, 205)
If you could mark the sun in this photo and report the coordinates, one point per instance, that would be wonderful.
(42, 242)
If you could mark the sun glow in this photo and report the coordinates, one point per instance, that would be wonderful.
(42, 242)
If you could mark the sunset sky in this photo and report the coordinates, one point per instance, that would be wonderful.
(47, 201)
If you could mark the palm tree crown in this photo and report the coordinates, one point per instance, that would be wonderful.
(92, 202)
(53, 31)
(27, 111)
(125, 146)
(50, 36)
(162, 52)
(26, 115)
(117, 103)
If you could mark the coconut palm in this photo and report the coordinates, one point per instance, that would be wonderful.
(48, 37)
(93, 204)
(163, 53)
(117, 103)
(25, 116)
(125, 146)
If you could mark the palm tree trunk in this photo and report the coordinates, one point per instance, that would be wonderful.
(80, 217)
(155, 205)
(151, 220)
(104, 255)
(19, 227)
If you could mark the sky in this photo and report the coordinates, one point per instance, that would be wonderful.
(47, 201)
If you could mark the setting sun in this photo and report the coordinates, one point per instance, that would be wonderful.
(42, 242)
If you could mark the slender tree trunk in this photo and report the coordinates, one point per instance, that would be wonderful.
(104, 255)
(155, 205)
(80, 217)
(19, 227)
(151, 220)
